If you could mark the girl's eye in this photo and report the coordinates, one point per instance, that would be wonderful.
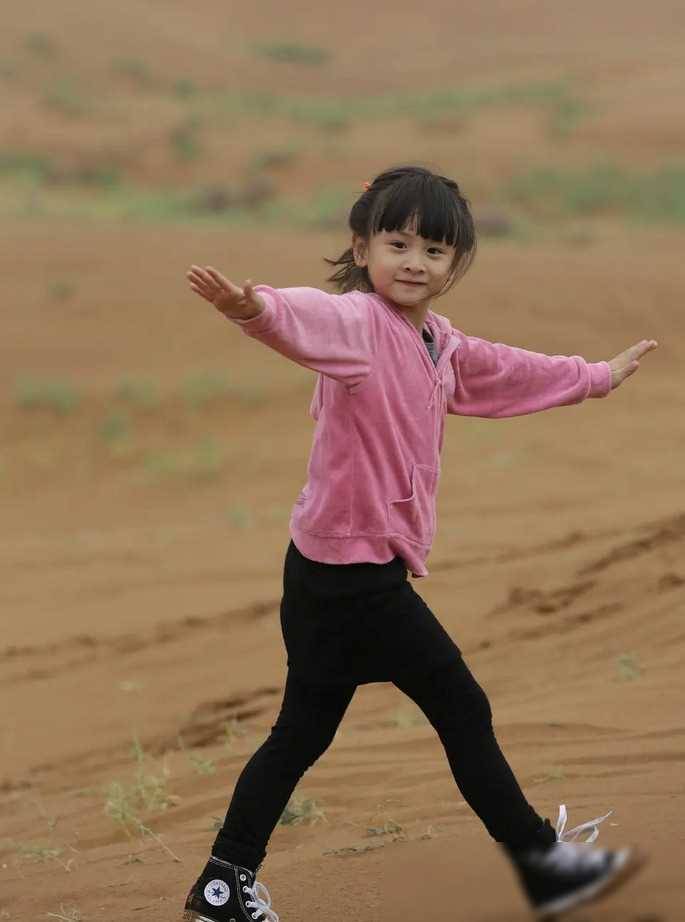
(402, 244)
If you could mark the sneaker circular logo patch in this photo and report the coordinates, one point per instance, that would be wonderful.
(217, 892)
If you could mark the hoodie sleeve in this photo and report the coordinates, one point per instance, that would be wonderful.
(495, 380)
(332, 334)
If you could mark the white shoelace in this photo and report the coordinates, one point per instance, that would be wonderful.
(573, 834)
(259, 903)
(567, 854)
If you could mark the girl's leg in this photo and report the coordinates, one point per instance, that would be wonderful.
(305, 728)
(459, 710)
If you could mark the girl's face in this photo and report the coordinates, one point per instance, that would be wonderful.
(403, 267)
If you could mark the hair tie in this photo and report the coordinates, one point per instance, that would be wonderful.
(366, 185)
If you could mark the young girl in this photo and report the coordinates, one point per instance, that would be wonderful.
(390, 369)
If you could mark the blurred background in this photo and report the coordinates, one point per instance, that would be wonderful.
(151, 452)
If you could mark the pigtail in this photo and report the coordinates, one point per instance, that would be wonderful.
(349, 276)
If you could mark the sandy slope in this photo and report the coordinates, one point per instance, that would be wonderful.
(559, 551)
(138, 608)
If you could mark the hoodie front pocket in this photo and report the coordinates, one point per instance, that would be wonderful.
(414, 517)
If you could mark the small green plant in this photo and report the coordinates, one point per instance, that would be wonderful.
(232, 730)
(41, 853)
(67, 915)
(61, 290)
(135, 69)
(65, 97)
(87, 173)
(389, 827)
(51, 821)
(201, 766)
(325, 209)
(301, 810)
(204, 463)
(207, 460)
(46, 394)
(274, 159)
(565, 116)
(184, 139)
(115, 427)
(240, 516)
(98, 175)
(502, 459)
(25, 163)
(139, 392)
(629, 667)
(147, 793)
(41, 44)
(294, 52)
(184, 88)
(329, 115)
(163, 464)
(554, 774)
(203, 387)
(8, 71)
(277, 513)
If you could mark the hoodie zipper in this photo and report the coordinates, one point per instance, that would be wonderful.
(436, 377)
(417, 334)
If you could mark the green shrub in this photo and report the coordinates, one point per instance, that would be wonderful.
(294, 52)
(46, 394)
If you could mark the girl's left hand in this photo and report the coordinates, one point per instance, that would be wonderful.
(627, 363)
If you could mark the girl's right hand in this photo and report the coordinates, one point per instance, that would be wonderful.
(231, 300)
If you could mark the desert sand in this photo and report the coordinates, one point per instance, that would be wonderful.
(140, 605)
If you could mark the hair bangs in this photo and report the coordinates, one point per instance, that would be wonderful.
(418, 203)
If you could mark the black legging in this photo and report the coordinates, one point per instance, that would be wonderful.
(453, 702)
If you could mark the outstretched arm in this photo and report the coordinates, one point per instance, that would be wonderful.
(329, 333)
(496, 381)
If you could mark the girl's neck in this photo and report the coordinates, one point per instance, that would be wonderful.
(415, 315)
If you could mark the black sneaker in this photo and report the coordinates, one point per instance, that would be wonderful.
(226, 892)
(566, 873)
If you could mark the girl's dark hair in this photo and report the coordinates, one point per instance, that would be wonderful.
(392, 200)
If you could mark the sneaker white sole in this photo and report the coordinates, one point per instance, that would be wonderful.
(628, 862)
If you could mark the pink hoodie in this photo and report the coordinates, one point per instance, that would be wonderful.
(380, 405)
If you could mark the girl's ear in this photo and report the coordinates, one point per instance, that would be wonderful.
(359, 250)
